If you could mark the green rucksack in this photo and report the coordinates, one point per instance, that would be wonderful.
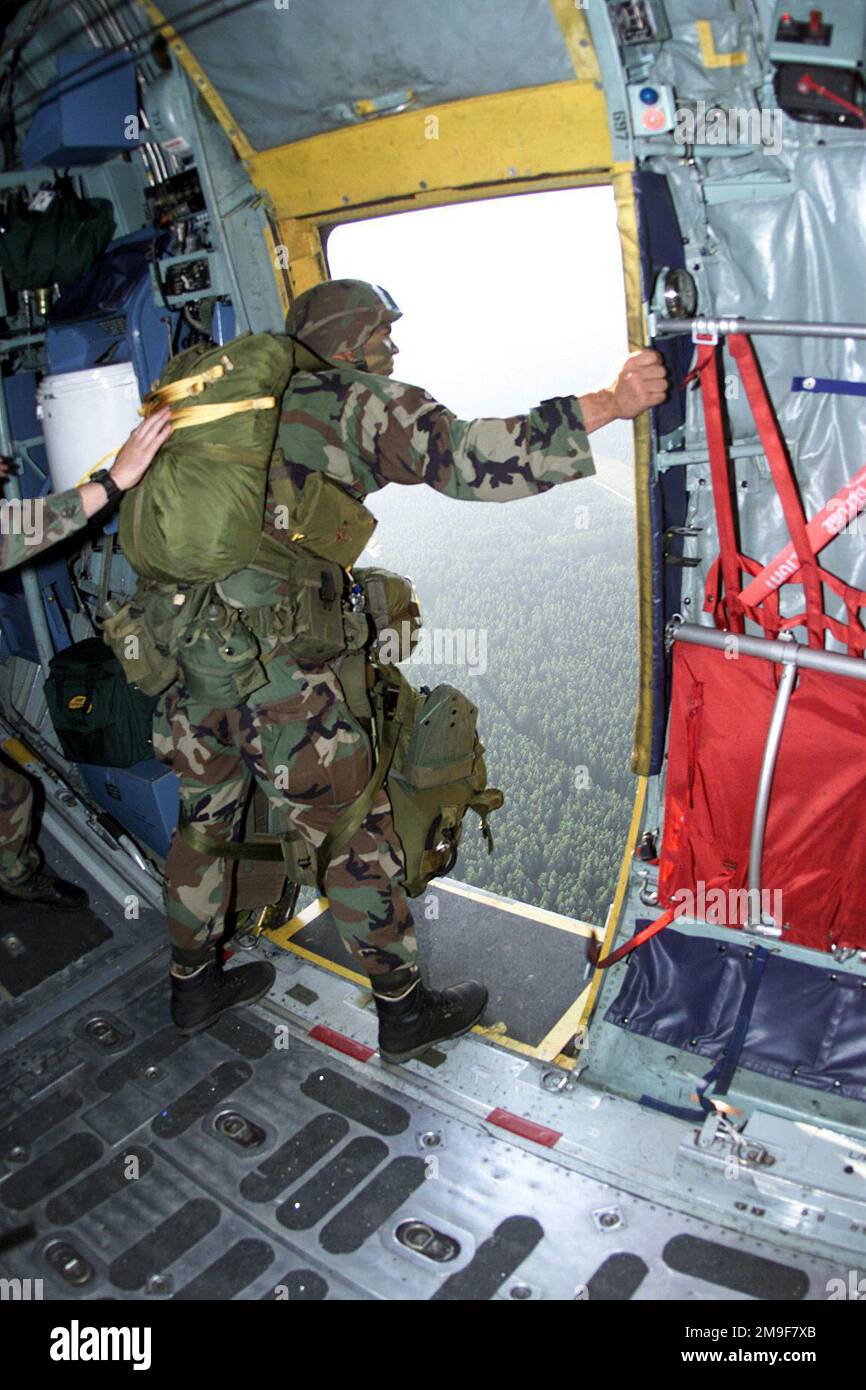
(196, 516)
(432, 763)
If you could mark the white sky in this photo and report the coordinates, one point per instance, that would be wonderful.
(505, 301)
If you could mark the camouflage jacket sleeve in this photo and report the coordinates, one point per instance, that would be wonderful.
(28, 528)
(366, 431)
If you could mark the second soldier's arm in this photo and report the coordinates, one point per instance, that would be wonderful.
(27, 529)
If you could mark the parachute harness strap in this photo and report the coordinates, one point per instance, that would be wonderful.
(189, 415)
(195, 385)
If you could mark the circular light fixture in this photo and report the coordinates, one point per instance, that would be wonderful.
(679, 294)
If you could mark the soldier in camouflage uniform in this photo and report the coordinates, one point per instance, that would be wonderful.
(26, 531)
(296, 735)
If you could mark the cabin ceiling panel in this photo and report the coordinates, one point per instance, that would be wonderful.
(289, 73)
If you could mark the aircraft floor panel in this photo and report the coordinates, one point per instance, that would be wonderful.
(48, 958)
(531, 961)
(255, 1162)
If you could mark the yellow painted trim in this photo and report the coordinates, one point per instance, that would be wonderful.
(474, 193)
(280, 936)
(281, 273)
(342, 970)
(302, 242)
(530, 133)
(626, 206)
(19, 752)
(564, 1029)
(187, 58)
(710, 56)
(575, 31)
(577, 1016)
(536, 914)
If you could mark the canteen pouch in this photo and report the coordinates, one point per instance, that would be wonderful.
(144, 632)
(220, 659)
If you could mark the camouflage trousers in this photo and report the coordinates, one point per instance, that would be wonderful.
(17, 855)
(312, 759)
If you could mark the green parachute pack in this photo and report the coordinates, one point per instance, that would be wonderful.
(204, 611)
(196, 515)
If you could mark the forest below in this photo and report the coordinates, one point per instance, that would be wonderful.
(542, 594)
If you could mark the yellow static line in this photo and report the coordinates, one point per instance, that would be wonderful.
(187, 58)
(280, 936)
(710, 56)
(19, 751)
(577, 1016)
(535, 914)
(575, 32)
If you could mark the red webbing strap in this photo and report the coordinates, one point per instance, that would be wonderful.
(644, 935)
(648, 932)
(768, 431)
(767, 616)
(728, 605)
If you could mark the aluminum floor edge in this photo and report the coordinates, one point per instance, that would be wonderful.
(254, 1162)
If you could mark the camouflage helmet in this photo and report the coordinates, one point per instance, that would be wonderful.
(339, 316)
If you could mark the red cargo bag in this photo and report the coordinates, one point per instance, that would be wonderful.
(815, 842)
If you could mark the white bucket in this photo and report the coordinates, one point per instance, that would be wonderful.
(86, 417)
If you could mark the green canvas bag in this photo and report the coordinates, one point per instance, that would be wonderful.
(98, 717)
(196, 516)
(432, 764)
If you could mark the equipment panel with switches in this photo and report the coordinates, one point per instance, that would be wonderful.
(640, 21)
(819, 54)
(832, 35)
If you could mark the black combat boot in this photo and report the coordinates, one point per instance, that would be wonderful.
(198, 1000)
(44, 889)
(412, 1022)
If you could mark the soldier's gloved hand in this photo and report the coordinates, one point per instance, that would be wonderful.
(641, 384)
(141, 448)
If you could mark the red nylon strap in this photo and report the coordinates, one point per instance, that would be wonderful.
(644, 935)
(768, 430)
(728, 605)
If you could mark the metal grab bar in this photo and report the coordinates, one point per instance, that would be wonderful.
(782, 328)
(779, 652)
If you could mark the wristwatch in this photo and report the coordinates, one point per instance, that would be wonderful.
(113, 491)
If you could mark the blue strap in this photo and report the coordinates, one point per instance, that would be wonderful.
(722, 1072)
(680, 1112)
(822, 385)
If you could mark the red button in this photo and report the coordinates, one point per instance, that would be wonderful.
(653, 119)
